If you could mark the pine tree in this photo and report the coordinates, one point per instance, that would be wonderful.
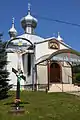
(4, 81)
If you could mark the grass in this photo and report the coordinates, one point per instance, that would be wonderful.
(42, 106)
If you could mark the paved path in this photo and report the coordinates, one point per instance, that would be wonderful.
(75, 93)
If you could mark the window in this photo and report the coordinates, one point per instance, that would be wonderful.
(29, 64)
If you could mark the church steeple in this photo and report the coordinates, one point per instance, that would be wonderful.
(28, 22)
(12, 32)
(59, 37)
(29, 8)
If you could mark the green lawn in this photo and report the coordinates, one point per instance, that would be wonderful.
(42, 106)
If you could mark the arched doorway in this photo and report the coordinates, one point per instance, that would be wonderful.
(55, 73)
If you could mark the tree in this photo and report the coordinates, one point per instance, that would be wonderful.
(76, 72)
(4, 81)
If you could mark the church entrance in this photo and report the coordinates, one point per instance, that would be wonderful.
(55, 73)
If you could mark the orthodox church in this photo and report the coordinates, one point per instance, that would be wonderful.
(40, 59)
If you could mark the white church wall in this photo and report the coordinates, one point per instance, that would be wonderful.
(42, 76)
(42, 49)
(12, 59)
(63, 46)
(25, 69)
(25, 61)
(12, 62)
(66, 73)
(28, 80)
(24, 57)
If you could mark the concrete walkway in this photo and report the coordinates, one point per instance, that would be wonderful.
(74, 93)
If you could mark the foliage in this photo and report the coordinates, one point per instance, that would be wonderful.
(76, 69)
(76, 72)
(4, 86)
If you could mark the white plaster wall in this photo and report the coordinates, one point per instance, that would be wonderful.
(25, 67)
(12, 62)
(28, 78)
(24, 63)
(66, 74)
(63, 47)
(42, 75)
(12, 59)
(42, 49)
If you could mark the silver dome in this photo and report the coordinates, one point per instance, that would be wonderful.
(12, 32)
(28, 21)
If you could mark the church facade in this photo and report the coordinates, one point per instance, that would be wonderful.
(41, 72)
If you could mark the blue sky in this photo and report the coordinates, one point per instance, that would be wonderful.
(66, 10)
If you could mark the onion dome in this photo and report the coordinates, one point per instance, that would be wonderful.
(12, 32)
(29, 22)
(59, 37)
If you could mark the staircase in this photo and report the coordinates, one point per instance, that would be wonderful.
(63, 88)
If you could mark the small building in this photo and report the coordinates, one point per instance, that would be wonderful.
(38, 60)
